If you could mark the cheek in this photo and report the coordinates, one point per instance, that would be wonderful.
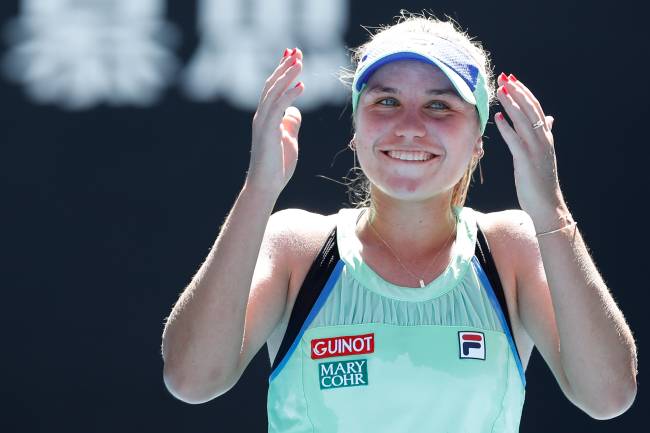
(367, 125)
(364, 131)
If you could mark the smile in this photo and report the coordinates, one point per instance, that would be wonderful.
(415, 156)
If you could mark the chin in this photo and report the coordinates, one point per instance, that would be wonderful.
(410, 190)
(415, 186)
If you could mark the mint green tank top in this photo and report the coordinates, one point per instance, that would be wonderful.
(376, 357)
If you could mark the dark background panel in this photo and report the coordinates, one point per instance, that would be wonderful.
(108, 213)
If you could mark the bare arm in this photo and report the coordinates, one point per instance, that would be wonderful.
(238, 295)
(591, 327)
(563, 301)
(203, 335)
(569, 313)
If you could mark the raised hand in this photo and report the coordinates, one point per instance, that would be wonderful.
(274, 149)
(531, 143)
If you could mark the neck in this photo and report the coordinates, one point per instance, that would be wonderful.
(413, 229)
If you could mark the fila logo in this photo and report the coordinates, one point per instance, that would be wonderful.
(342, 346)
(472, 345)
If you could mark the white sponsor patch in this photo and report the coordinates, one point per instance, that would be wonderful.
(471, 345)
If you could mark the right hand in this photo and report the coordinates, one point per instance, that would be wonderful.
(274, 152)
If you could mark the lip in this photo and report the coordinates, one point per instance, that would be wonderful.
(435, 158)
(410, 149)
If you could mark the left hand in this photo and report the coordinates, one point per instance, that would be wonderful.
(533, 152)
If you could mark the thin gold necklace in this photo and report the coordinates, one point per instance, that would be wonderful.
(420, 279)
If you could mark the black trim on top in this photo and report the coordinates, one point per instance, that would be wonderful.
(311, 288)
(484, 256)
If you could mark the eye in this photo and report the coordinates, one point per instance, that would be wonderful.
(388, 102)
(438, 105)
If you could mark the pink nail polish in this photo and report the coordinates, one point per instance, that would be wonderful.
(504, 90)
(503, 77)
(299, 83)
(511, 77)
(286, 53)
(499, 116)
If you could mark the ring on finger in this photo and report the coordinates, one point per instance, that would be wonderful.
(538, 124)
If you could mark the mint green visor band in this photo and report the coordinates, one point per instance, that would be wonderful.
(458, 66)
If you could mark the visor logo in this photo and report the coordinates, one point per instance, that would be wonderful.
(472, 345)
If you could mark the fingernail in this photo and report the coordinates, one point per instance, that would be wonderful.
(499, 116)
(286, 53)
(299, 83)
(503, 77)
(295, 50)
(504, 90)
(294, 62)
(512, 77)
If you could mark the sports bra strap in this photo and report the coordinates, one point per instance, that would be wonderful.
(484, 256)
(309, 292)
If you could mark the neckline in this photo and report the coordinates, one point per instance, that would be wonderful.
(462, 251)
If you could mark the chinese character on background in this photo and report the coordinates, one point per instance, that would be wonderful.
(81, 53)
(242, 43)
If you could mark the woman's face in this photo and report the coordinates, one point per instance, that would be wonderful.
(415, 135)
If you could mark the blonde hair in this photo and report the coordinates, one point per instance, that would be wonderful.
(408, 25)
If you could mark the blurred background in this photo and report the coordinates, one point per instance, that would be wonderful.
(124, 142)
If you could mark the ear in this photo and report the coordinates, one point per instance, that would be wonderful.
(478, 147)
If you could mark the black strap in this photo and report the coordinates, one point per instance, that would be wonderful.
(309, 292)
(484, 256)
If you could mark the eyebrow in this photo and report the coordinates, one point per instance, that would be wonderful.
(378, 88)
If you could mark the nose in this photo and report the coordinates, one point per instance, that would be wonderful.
(410, 125)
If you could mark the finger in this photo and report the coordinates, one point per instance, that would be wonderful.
(295, 55)
(549, 122)
(291, 66)
(284, 62)
(527, 91)
(281, 109)
(279, 88)
(509, 135)
(513, 81)
(287, 60)
(292, 120)
(531, 109)
(520, 121)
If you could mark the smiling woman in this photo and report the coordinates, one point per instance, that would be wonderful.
(410, 293)
(409, 110)
(470, 83)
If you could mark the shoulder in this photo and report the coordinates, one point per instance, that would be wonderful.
(297, 227)
(511, 222)
(511, 232)
(511, 236)
(300, 234)
(295, 218)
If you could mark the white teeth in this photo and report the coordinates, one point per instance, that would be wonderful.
(410, 156)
